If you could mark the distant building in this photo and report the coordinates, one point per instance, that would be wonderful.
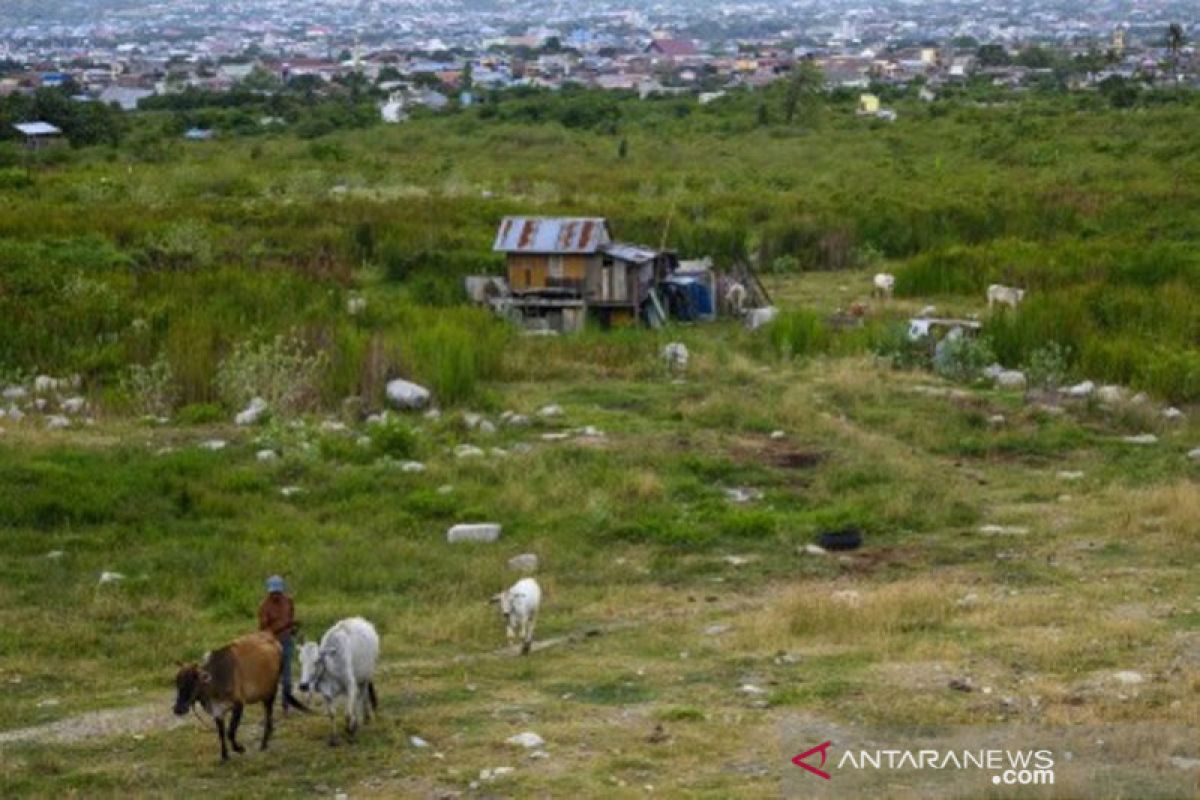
(126, 98)
(38, 134)
(868, 104)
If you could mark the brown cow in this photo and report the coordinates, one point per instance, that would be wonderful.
(247, 670)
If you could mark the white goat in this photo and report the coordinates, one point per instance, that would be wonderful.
(1004, 295)
(885, 284)
(343, 664)
(519, 606)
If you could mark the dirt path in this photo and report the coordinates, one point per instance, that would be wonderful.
(109, 722)
(152, 718)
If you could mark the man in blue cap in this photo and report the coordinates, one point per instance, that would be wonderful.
(277, 615)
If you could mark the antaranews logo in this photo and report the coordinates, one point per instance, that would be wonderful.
(1011, 767)
(823, 750)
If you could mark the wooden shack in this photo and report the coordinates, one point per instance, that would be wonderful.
(563, 270)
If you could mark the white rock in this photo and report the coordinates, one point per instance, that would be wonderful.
(252, 413)
(1139, 398)
(742, 494)
(15, 414)
(1111, 394)
(927, 311)
(675, 354)
(44, 384)
(40, 404)
(1194, 454)
(716, 630)
(751, 689)
(291, 491)
(356, 305)
(555, 437)
(487, 427)
(412, 466)
(377, 419)
(1188, 764)
(1141, 438)
(56, 422)
(494, 772)
(467, 451)
(213, 444)
(1128, 677)
(740, 561)
(471, 419)
(1011, 379)
(1004, 530)
(445, 488)
(527, 739)
(406, 395)
(54, 554)
(417, 741)
(73, 405)
(996, 420)
(1070, 475)
(814, 550)
(16, 393)
(499, 452)
(516, 421)
(1081, 390)
(433, 413)
(333, 426)
(849, 597)
(266, 455)
(591, 432)
(474, 532)
(758, 317)
(363, 441)
(521, 448)
(992, 371)
(1172, 413)
(549, 411)
(526, 562)
(777, 435)
(110, 577)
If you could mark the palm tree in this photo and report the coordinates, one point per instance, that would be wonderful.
(1175, 44)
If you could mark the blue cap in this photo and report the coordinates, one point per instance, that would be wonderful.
(274, 584)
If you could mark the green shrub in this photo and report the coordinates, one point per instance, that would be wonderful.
(280, 371)
(893, 344)
(394, 438)
(200, 414)
(798, 334)
(962, 358)
(1048, 365)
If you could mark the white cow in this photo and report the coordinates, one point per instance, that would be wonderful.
(1004, 295)
(885, 285)
(343, 664)
(519, 606)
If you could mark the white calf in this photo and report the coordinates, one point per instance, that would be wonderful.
(1004, 295)
(519, 606)
(343, 664)
(885, 285)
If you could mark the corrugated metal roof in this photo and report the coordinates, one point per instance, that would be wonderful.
(37, 129)
(633, 253)
(578, 235)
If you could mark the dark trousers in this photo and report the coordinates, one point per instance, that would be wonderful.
(288, 651)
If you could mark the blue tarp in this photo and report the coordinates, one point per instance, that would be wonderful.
(689, 299)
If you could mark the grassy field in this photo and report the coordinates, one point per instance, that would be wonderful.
(664, 598)
(1019, 544)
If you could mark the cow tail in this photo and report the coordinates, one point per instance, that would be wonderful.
(290, 700)
(371, 695)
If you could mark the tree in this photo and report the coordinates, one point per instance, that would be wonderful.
(1175, 42)
(764, 116)
(803, 92)
(992, 55)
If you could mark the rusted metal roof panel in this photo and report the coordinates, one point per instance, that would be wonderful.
(574, 235)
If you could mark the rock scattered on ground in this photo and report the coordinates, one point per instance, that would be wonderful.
(407, 396)
(1141, 438)
(474, 532)
(253, 413)
(526, 739)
